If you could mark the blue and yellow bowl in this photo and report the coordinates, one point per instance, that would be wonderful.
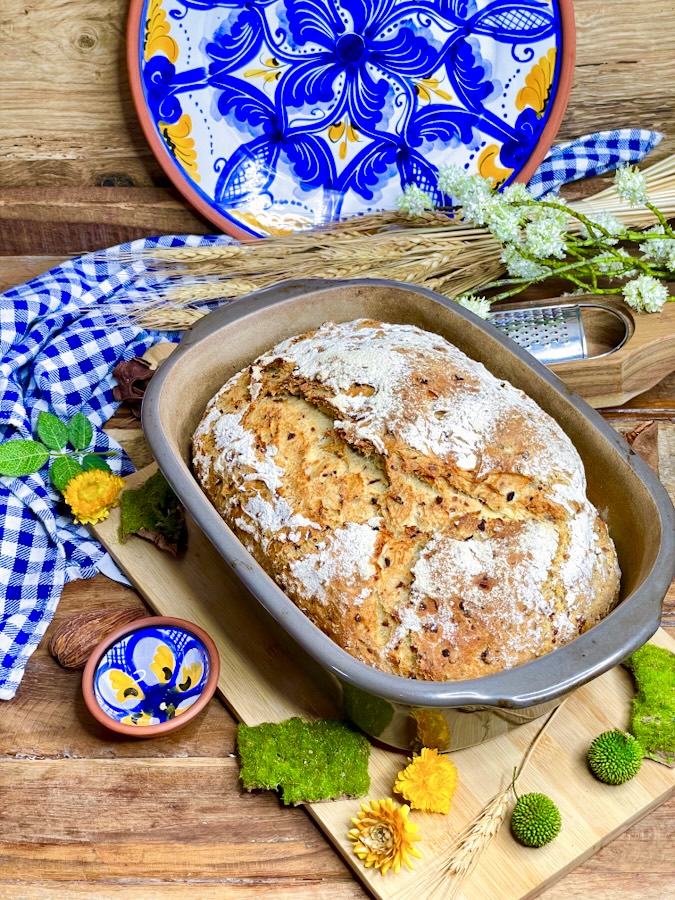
(151, 676)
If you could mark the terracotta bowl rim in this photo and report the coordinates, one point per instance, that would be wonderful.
(163, 727)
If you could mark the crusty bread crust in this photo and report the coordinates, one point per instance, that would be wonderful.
(428, 517)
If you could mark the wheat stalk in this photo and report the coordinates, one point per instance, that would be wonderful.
(431, 250)
(478, 834)
(470, 843)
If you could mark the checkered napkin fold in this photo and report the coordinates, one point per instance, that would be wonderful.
(59, 345)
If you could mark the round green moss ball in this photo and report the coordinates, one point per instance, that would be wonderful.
(535, 820)
(615, 757)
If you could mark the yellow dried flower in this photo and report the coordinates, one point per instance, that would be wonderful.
(383, 837)
(91, 495)
(429, 781)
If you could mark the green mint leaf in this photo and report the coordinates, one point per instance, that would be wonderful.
(62, 470)
(80, 432)
(95, 462)
(22, 457)
(52, 431)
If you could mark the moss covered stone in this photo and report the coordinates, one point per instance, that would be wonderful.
(306, 761)
(154, 512)
(653, 714)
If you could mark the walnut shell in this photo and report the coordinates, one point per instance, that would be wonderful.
(75, 638)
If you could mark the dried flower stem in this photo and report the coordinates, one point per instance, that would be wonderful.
(469, 844)
(179, 285)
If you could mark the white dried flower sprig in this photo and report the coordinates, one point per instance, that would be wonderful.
(545, 238)
(631, 186)
(414, 201)
(645, 293)
(478, 305)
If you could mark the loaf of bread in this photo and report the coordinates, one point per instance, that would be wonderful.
(429, 518)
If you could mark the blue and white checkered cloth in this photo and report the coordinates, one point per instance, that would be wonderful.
(59, 346)
(58, 349)
(593, 154)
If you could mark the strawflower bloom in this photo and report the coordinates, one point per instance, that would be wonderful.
(429, 782)
(414, 200)
(432, 729)
(91, 495)
(645, 294)
(631, 185)
(383, 837)
(478, 305)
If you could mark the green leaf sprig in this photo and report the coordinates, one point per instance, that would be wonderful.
(24, 457)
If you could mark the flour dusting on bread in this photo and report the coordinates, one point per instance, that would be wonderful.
(426, 515)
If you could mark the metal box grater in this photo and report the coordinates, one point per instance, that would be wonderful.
(552, 334)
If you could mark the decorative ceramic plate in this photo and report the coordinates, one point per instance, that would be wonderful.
(274, 115)
(151, 675)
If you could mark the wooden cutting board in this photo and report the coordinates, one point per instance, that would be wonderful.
(646, 358)
(263, 680)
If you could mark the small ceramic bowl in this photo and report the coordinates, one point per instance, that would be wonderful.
(151, 676)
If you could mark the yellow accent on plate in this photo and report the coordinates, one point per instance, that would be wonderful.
(190, 676)
(270, 72)
(181, 145)
(163, 663)
(343, 131)
(124, 686)
(142, 718)
(488, 168)
(157, 38)
(428, 86)
(538, 83)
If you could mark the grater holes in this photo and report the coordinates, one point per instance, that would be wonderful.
(550, 333)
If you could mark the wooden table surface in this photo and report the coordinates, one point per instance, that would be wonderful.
(84, 815)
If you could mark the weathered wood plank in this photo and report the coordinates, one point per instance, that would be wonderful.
(76, 55)
(64, 222)
(307, 888)
(69, 121)
(17, 269)
(65, 61)
(165, 818)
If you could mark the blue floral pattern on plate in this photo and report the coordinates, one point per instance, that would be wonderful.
(151, 675)
(283, 114)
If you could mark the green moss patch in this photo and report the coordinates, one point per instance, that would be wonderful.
(153, 512)
(306, 761)
(653, 715)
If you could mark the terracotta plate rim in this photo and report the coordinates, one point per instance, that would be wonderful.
(181, 183)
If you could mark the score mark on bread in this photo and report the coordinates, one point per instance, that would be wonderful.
(427, 516)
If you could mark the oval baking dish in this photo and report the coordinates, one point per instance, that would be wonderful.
(396, 710)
